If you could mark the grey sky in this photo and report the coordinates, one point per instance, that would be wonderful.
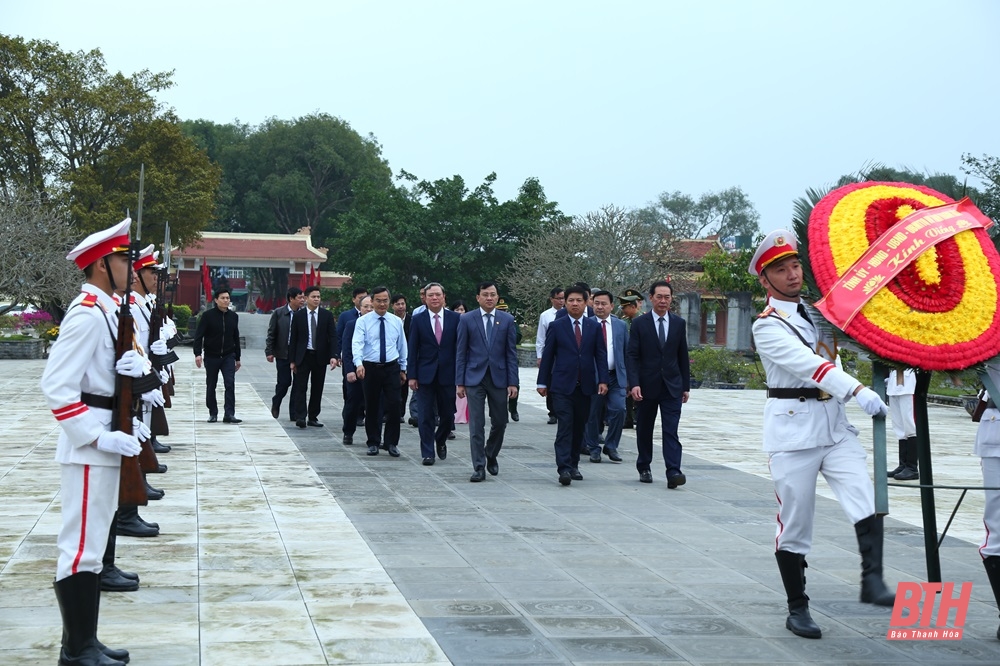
(603, 102)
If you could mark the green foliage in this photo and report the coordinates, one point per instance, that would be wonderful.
(726, 272)
(720, 365)
(728, 213)
(15, 337)
(987, 169)
(182, 313)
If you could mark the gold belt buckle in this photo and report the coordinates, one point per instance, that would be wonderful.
(823, 395)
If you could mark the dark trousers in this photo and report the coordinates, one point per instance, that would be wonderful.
(354, 405)
(404, 393)
(284, 383)
(572, 411)
(312, 374)
(382, 383)
(434, 399)
(670, 416)
(227, 365)
(548, 404)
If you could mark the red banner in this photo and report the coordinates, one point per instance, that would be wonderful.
(206, 281)
(894, 250)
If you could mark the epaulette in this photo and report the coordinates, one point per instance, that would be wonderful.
(89, 301)
(131, 299)
(768, 310)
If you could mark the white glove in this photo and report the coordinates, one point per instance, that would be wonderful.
(118, 442)
(871, 403)
(159, 348)
(154, 398)
(131, 364)
(140, 430)
(164, 376)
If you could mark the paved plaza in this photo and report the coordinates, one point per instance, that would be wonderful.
(282, 546)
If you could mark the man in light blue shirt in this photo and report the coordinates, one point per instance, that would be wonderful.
(379, 352)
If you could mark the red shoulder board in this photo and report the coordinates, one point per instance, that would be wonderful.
(768, 310)
(131, 299)
(89, 301)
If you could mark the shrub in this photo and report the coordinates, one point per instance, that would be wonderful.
(717, 364)
(182, 313)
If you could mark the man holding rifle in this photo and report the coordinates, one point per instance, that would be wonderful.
(79, 384)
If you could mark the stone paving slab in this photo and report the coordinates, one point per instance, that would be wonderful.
(317, 553)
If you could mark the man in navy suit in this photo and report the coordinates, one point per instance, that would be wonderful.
(432, 341)
(313, 344)
(346, 317)
(615, 333)
(574, 368)
(354, 393)
(659, 375)
(486, 370)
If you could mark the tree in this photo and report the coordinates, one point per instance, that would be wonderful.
(60, 111)
(726, 272)
(610, 248)
(987, 169)
(729, 214)
(37, 235)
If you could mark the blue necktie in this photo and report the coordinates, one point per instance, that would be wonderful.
(663, 333)
(381, 339)
(489, 330)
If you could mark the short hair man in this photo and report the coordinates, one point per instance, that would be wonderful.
(557, 299)
(312, 346)
(806, 431)
(219, 333)
(279, 330)
(615, 334)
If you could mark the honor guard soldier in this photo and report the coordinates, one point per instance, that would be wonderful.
(806, 431)
(79, 388)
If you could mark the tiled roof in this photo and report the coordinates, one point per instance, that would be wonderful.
(225, 245)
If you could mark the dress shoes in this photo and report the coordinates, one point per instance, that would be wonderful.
(514, 416)
(315, 424)
(491, 466)
(565, 478)
(213, 419)
(612, 454)
(160, 469)
(113, 581)
(160, 448)
(552, 420)
(372, 450)
(148, 523)
(907, 474)
(393, 450)
(428, 461)
(646, 476)
(478, 475)
(125, 574)
(595, 457)
(275, 411)
(153, 493)
(134, 527)
(442, 450)
(301, 424)
(348, 440)
(676, 480)
(412, 421)
(575, 474)
(231, 419)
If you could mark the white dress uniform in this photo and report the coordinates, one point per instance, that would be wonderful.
(82, 360)
(806, 437)
(899, 389)
(988, 449)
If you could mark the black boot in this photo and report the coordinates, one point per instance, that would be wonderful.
(78, 597)
(111, 653)
(792, 567)
(153, 493)
(992, 565)
(902, 460)
(870, 537)
(159, 448)
(909, 471)
(130, 524)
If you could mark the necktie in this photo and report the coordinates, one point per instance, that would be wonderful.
(663, 332)
(489, 330)
(604, 330)
(312, 330)
(381, 339)
(291, 315)
(579, 335)
(803, 313)
(437, 328)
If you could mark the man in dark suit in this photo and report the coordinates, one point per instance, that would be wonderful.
(276, 348)
(659, 375)
(615, 333)
(313, 346)
(574, 368)
(354, 395)
(432, 340)
(486, 370)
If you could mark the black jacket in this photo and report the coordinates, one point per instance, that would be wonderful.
(277, 333)
(220, 333)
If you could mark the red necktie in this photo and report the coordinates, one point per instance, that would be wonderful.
(604, 329)
(579, 335)
(437, 328)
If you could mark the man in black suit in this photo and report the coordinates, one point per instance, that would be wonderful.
(659, 375)
(354, 394)
(276, 348)
(432, 340)
(313, 346)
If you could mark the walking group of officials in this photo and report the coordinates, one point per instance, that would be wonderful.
(589, 361)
